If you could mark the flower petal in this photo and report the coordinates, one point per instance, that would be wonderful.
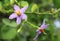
(14, 15)
(18, 21)
(16, 8)
(24, 16)
(38, 31)
(36, 36)
(24, 9)
(43, 21)
(44, 26)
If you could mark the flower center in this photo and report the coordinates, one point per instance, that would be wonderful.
(42, 30)
(18, 13)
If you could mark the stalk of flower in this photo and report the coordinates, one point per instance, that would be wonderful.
(41, 29)
(19, 14)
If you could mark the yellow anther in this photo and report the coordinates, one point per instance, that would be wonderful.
(18, 13)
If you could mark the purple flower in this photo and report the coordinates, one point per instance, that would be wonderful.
(41, 29)
(19, 14)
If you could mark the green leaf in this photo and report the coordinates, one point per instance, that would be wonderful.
(34, 7)
(57, 3)
(12, 2)
(24, 3)
(46, 3)
(6, 2)
(7, 22)
(9, 33)
(0, 6)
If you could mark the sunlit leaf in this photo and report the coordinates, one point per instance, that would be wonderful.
(34, 7)
(12, 2)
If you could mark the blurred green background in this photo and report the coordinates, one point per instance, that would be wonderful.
(37, 11)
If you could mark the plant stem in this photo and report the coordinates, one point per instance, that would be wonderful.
(28, 23)
(32, 24)
(21, 27)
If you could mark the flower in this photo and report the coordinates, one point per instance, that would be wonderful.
(19, 14)
(41, 29)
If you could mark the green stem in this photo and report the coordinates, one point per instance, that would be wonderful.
(28, 23)
(16, 1)
(32, 24)
(21, 27)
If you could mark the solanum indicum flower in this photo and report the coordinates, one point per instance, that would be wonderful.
(41, 29)
(19, 14)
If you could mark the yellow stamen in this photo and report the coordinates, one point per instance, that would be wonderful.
(18, 13)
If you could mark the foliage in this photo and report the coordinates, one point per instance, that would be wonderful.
(37, 11)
